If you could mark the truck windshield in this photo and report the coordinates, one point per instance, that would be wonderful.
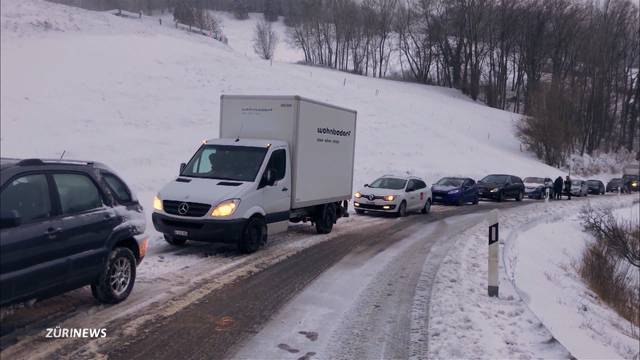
(389, 183)
(238, 163)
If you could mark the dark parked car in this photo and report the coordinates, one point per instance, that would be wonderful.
(596, 187)
(614, 185)
(455, 190)
(499, 187)
(537, 187)
(64, 225)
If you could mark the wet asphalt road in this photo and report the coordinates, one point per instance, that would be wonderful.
(214, 326)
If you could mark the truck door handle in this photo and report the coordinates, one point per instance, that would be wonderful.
(285, 189)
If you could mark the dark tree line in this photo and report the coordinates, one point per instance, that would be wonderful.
(570, 66)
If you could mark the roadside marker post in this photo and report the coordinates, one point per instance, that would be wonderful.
(494, 247)
(547, 195)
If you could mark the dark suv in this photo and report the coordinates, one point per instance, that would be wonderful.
(64, 225)
(499, 187)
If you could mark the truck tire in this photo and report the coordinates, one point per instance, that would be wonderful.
(254, 235)
(325, 219)
(117, 278)
(175, 241)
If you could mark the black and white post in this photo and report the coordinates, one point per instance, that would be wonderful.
(494, 247)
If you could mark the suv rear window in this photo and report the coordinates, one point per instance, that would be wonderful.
(77, 193)
(27, 197)
(118, 188)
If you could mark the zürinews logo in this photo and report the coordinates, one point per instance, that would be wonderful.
(328, 131)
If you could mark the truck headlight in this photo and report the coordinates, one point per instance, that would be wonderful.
(389, 198)
(357, 195)
(495, 190)
(225, 208)
(157, 203)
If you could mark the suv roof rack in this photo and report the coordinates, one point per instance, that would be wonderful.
(36, 162)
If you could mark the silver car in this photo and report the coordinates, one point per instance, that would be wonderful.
(579, 188)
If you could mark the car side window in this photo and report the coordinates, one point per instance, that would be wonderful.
(468, 183)
(411, 185)
(420, 185)
(278, 164)
(27, 197)
(515, 180)
(118, 188)
(77, 193)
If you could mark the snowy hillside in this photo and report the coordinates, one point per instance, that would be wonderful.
(141, 97)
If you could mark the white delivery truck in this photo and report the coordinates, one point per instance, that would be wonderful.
(278, 159)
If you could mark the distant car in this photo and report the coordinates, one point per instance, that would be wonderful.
(65, 225)
(394, 194)
(596, 187)
(455, 190)
(500, 187)
(614, 185)
(579, 188)
(537, 187)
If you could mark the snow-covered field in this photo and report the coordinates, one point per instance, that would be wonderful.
(141, 97)
(537, 256)
(546, 272)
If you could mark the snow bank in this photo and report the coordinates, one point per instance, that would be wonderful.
(546, 272)
(464, 322)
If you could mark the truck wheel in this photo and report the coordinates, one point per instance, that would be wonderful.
(427, 207)
(253, 236)
(325, 219)
(175, 241)
(402, 210)
(117, 278)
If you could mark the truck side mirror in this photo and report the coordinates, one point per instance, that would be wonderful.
(182, 166)
(9, 219)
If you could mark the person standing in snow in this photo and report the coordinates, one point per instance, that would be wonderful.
(567, 186)
(557, 188)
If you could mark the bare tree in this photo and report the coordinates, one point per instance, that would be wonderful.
(265, 40)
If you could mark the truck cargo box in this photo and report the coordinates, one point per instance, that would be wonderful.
(321, 140)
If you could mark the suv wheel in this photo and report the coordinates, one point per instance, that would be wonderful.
(476, 200)
(175, 241)
(402, 210)
(500, 196)
(427, 207)
(325, 219)
(254, 235)
(117, 278)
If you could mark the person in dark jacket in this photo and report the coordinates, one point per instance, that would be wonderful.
(557, 188)
(567, 186)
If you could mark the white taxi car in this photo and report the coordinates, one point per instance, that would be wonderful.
(394, 194)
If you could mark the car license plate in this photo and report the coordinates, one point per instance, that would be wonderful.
(180, 233)
(437, 197)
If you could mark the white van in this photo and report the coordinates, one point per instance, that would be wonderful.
(278, 159)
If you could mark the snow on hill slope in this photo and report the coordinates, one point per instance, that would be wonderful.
(141, 97)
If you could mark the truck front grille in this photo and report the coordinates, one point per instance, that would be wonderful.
(193, 209)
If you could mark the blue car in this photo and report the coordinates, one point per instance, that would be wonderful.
(455, 190)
